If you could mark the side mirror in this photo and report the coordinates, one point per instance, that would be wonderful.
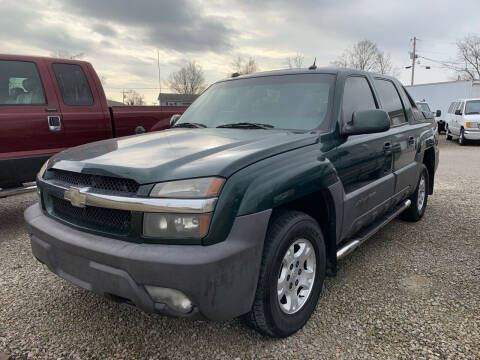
(367, 122)
(438, 113)
(174, 119)
(458, 112)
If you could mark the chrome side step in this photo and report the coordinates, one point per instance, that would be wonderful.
(17, 191)
(372, 230)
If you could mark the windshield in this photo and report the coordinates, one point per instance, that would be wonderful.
(472, 107)
(298, 101)
(423, 107)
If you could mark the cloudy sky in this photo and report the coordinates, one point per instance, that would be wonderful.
(121, 37)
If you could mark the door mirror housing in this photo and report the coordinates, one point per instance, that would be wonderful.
(458, 112)
(367, 122)
(174, 119)
(438, 113)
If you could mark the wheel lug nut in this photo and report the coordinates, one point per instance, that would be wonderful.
(291, 286)
(296, 282)
(288, 277)
(291, 266)
(297, 264)
(299, 271)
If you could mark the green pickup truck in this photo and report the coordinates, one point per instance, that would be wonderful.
(246, 203)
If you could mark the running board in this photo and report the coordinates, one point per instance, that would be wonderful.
(17, 191)
(371, 230)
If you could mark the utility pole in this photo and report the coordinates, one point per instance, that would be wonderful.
(414, 57)
(159, 79)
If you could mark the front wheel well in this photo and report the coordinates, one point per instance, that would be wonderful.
(320, 206)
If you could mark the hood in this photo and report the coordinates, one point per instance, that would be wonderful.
(179, 153)
(472, 117)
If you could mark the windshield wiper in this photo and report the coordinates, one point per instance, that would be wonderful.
(189, 125)
(472, 113)
(247, 125)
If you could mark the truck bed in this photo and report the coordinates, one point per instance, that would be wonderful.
(127, 120)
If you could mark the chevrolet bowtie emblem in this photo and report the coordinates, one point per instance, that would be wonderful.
(75, 197)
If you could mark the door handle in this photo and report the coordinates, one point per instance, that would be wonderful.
(50, 110)
(387, 147)
(54, 123)
(411, 140)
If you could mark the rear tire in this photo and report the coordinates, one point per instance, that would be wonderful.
(419, 198)
(289, 284)
(448, 135)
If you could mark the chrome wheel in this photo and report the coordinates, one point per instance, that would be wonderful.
(296, 276)
(421, 193)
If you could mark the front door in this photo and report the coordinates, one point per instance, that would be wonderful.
(363, 163)
(30, 120)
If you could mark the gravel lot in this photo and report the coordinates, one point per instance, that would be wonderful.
(412, 291)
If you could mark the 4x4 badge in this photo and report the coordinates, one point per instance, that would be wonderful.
(75, 197)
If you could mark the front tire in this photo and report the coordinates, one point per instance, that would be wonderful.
(291, 275)
(419, 198)
(461, 139)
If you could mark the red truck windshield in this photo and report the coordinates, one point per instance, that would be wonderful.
(297, 101)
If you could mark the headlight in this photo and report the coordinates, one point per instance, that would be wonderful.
(471, 125)
(43, 169)
(182, 226)
(176, 226)
(191, 188)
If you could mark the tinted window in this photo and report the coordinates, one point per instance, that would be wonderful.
(472, 107)
(299, 101)
(20, 84)
(407, 94)
(357, 96)
(73, 84)
(391, 101)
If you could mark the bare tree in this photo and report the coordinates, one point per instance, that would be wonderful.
(188, 80)
(131, 97)
(365, 55)
(295, 62)
(243, 66)
(384, 64)
(469, 57)
(65, 54)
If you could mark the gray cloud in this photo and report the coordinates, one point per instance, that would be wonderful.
(104, 29)
(173, 24)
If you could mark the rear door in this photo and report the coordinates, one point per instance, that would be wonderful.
(405, 137)
(30, 119)
(83, 115)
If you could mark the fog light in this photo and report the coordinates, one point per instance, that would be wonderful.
(174, 299)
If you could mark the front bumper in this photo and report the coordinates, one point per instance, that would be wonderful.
(472, 135)
(220, 279)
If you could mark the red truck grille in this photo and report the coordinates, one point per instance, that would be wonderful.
(106, 220)
(106, 183)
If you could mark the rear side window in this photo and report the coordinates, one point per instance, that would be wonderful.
(450, 108)
(20, 83)
(357, 96)
(391, 101)
(73, 85)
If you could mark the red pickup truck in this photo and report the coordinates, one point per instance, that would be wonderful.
(49, 104)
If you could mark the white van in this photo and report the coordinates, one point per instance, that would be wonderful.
(463, 120)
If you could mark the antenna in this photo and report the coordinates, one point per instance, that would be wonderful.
(313, 67)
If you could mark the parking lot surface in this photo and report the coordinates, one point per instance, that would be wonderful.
(412, 291)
